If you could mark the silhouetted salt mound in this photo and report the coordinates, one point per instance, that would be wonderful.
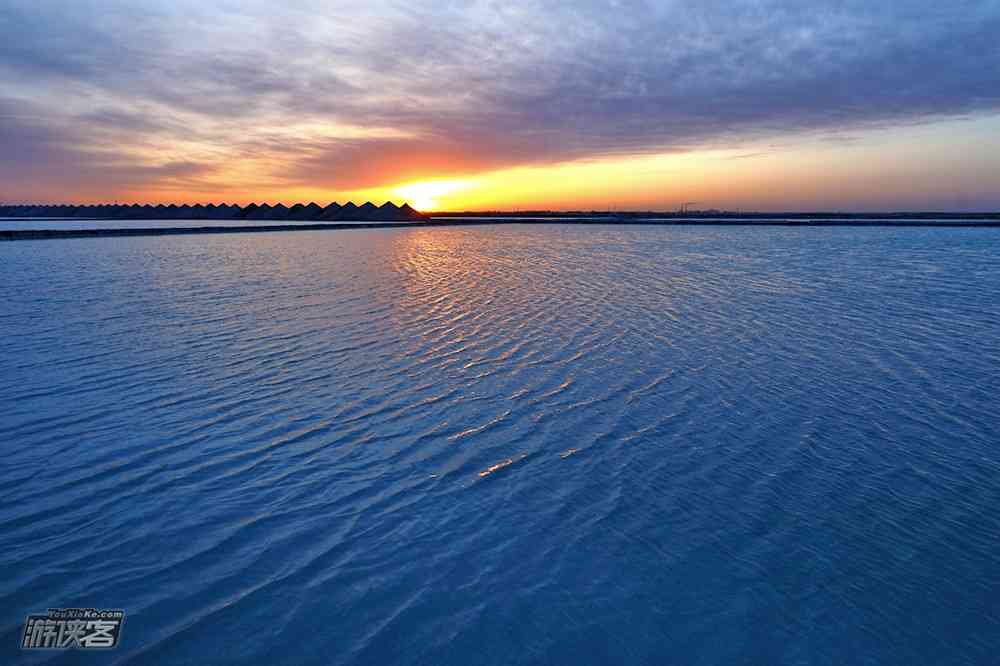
(390, 212)
(261, 212)
(349, 212)
(409, 213)
(331, 212)
(300, 212)
(223, 212)
(279, 212)
(367, 211)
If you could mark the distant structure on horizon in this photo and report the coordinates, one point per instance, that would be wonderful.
(368, 212)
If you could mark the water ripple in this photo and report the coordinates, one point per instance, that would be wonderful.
(507, 444)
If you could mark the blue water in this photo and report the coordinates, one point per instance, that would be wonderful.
(507, 445)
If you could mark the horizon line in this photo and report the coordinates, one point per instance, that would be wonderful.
(513, 211)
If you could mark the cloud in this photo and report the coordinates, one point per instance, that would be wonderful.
(480, 85)
(49, 161)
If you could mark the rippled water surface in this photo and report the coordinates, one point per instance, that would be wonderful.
(507, 445)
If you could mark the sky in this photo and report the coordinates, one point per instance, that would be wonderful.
(511, 105)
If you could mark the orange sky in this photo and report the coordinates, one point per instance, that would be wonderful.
(751, 104)
(928, 166)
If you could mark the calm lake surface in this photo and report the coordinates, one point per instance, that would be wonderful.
(507, 445)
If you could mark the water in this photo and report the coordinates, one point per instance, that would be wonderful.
(507, 445)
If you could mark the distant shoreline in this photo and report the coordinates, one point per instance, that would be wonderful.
(721, 215)
(992, 221)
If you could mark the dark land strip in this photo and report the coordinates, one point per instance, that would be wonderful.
(42, 234)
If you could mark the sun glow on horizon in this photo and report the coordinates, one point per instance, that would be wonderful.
(426, 195)
(802, 172)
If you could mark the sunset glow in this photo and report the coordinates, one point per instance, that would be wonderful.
(431, 195)
(577, 333)
(539, 106)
